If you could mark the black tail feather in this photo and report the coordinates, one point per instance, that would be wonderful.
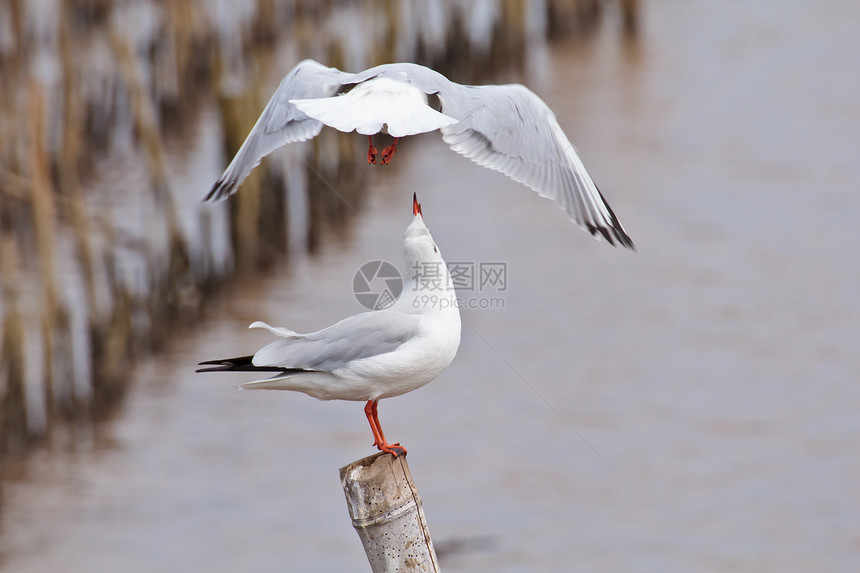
(238, 364)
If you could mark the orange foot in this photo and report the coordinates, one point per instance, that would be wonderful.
(393, 449)
(370, 410)
(388, 152)
(371, 151)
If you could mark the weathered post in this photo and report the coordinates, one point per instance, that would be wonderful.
(385, 508)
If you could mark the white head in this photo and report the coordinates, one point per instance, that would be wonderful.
(429, 286)
(418, 245)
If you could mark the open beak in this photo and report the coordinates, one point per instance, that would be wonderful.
(416, 206)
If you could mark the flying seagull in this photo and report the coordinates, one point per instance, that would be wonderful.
(371, 355)
(506, 128)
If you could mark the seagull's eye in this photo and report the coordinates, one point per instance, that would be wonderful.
(435, 250)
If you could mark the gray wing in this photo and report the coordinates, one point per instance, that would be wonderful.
(427, 80)
(511, 130)
(281, 122)
(356, 337)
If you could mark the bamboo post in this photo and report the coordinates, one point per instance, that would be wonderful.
(385, 508)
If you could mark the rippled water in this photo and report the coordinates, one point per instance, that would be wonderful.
(690, 407)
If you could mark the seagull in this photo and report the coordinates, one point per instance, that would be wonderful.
(506, 128)
(371, 355)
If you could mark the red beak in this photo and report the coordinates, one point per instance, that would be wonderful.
(416, 206)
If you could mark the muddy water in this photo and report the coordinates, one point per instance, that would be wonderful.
(692, 407)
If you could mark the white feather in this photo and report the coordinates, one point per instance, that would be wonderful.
(377, 354)
(278, 331)
(378, 105)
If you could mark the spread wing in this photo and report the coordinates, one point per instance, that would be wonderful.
(511, 130)
(356, 337)
(281, 122)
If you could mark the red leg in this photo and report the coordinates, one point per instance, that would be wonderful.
(370, 410)
(375, 414)
(388, 152)
(393, 449)
(371, 151)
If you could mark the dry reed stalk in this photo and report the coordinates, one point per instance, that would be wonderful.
(110, 339)
(630, 17)
(70, 154)
(168, 290)
(509, 48)
(146, 126)
(258, 220)
(266, 26)
(571, 16)
(16, 17)
(74, 205)
(238, 114)
(14, 431)
(44, 212)
(318, 180)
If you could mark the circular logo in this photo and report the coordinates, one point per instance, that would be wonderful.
(377, 284)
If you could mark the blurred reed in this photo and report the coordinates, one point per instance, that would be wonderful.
(85, 291)
(14, 430)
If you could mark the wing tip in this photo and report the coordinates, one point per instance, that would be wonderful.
(237, 364)
(223, 188)
(225, 364)
(624, 240)
(615, 236)
(614, 227)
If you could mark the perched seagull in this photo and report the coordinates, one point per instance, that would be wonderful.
(506, 128)
(371, 355)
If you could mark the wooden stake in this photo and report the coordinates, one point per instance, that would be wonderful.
(385, 508)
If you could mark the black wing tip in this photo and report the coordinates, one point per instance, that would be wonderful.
(217, 369)
(615, 235)
(626, 241)
(244, 364)
(226, 364)
(623, 238)
(221, 189)
(238, 360)
(238, 364)
(615, 227)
